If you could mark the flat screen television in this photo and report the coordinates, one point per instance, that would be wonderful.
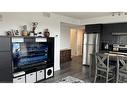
(29, 53)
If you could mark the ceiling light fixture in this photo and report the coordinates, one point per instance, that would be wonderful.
(119, 13)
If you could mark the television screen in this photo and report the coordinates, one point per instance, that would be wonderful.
(29, 53)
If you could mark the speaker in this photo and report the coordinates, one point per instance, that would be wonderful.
(49, 72)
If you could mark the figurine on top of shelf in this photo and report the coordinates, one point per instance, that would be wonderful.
(9, 33)
(13, 33)
(34, 26)
(25, 32)
(46, 33)
(39, 34)
(16, 33)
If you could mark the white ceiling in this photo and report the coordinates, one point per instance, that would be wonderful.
(84, 15)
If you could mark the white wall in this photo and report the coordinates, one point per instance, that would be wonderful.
(65, 36)
(105, 19)
(65, 29)
(15, 20)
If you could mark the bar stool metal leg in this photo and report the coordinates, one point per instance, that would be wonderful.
(95, 78)
(117, 71)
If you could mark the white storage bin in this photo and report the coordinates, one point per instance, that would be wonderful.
(20, 79)
(40, 75)
(31, 77)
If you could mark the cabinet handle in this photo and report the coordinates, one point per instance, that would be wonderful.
(31, 74)
(19, 78)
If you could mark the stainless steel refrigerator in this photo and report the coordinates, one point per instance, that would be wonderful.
(90, 46)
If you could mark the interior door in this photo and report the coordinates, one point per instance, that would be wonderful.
(73, 41)
(80, 34)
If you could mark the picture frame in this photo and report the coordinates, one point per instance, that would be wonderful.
(16, 33)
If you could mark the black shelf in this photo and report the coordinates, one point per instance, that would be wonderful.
(7, 66)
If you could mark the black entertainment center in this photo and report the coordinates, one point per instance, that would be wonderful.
(26, 59)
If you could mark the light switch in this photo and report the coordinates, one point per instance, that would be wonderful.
(1, 17)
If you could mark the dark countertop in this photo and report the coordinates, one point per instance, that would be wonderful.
(93, 54)
(114, 53)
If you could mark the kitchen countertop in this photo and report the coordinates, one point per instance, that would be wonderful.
(121, 53)
(113, 53)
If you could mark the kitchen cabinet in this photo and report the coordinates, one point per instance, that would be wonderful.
(106, 34)
(115, 28)
(94, 28)
(109, 29)
(106, 38)
(5, 60)
(5, 44)
(5, 67)
(121, 28)
(118, 27)
(124, 27)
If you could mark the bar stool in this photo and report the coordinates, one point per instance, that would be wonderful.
(103, 68)
(122, 69)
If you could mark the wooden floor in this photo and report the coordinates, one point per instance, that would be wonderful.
(73, 68)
